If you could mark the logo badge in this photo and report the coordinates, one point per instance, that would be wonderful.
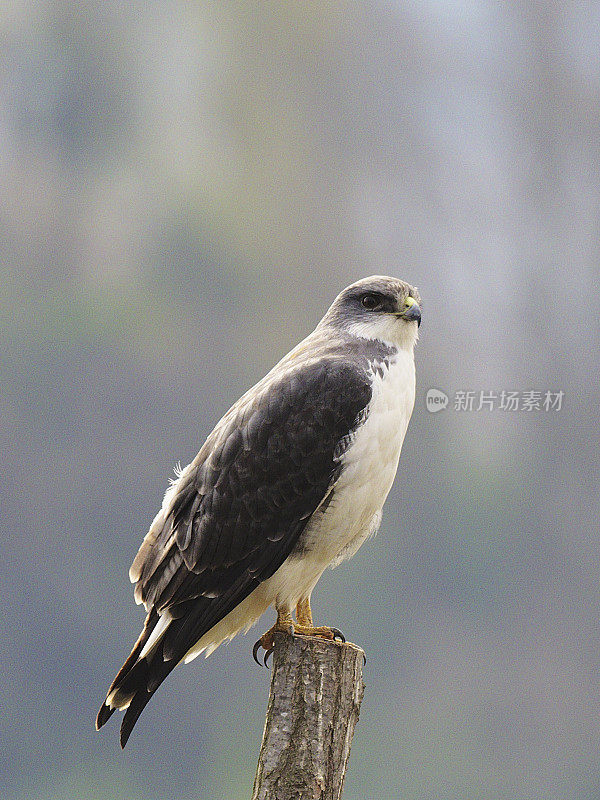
(435, 400)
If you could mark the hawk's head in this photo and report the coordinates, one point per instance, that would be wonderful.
(378, 308)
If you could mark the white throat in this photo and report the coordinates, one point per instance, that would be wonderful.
(388, 329)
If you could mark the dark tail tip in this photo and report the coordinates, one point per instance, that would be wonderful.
(104, 715)
(137, 705)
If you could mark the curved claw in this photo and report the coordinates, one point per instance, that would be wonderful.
(337, 634)
(267, 654)
(255, 649)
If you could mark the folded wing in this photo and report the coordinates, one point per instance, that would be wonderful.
(235, 514)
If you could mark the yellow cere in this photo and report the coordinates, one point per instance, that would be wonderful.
(410, 301)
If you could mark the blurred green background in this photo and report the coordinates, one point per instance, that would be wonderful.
(185, 186)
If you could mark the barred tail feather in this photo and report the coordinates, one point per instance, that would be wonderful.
(143, 681)
(115, 698)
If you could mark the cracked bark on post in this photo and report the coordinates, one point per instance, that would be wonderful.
(316, 692)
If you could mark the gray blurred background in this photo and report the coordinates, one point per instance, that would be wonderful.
(184, 189)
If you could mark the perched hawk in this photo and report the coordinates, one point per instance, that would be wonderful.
(291, 481)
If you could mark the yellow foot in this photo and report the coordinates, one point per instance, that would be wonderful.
(305, 627)
(323, 631)
(284, 624)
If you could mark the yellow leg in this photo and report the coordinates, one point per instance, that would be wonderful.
(284, 624)
(303, 612)
(305, 627)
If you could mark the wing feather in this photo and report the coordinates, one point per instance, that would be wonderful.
(235, 513)
(272, 466)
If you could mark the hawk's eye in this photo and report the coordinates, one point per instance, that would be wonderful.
(370, 302)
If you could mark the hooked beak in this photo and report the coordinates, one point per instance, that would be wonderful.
(412, 311)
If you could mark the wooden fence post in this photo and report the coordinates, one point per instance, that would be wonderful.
(316, 692)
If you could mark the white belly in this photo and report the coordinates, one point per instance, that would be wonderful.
(370, 465)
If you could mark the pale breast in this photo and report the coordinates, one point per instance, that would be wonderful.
(369, 465)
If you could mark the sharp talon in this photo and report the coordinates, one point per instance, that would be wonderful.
(267, 640)
(364, 659)
(337, 634)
